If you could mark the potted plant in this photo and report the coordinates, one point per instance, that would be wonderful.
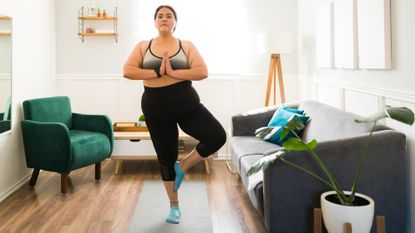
(141, 120)
(348, 201)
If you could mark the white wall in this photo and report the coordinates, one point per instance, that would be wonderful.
(90, 72)
(33, 76)
(364, 91)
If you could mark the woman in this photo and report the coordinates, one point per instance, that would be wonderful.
(167, 65)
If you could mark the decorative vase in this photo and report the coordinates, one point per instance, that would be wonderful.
(335, 215)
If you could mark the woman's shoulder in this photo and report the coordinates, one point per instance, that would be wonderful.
(187, 45)
(143, 43)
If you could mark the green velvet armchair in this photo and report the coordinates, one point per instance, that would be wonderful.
(57, 140)
(5, 117)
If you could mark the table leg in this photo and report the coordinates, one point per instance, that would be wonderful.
(207, 166)
(118, 164)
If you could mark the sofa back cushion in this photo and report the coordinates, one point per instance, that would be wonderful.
(330, 123)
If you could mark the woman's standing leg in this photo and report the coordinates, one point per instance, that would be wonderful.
(164, 136)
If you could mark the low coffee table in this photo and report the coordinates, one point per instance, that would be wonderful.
(145, 135)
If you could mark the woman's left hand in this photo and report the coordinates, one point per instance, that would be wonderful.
(169, 69)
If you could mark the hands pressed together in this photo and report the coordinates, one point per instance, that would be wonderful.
(165, 67)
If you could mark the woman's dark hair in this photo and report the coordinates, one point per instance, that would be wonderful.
(168, 7)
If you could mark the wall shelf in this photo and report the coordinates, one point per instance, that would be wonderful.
(5, 33)
(97, 18)
(82, 29)
(97, 34)
(2, 17)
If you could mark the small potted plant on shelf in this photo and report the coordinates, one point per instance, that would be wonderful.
(335, 204)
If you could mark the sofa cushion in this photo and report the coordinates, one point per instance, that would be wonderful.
(330, 123)
(252, 183)
(283, 114)
(246, 146)
(280, 119)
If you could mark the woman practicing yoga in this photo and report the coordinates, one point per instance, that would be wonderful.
(167, 66)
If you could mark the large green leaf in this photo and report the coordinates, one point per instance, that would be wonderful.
(284, 132)
(297, 144)
(401, 114)
(264, 162)
(295, 123)
(266, 132)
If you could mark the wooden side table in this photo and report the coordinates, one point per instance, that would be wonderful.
(347, 228)
(144, 135)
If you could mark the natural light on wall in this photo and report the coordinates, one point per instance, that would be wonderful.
(217, 28)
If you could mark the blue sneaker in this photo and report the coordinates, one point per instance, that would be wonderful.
(174, 215)
(179, 176)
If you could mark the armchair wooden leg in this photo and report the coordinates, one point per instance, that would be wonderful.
(64, 183)
(33, 179)
(98, 171)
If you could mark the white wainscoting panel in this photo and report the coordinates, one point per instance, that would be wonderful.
(361, 103)
(331, 96)
(130, 95)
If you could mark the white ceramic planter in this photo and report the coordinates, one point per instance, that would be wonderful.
(335, 215)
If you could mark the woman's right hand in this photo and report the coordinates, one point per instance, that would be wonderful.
(163, 63)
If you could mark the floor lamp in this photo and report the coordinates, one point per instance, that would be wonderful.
(276, 43)
(275, 69)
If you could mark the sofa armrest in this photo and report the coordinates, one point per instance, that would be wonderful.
(246, 123)
(47, 145)
(95, 123)
(290, 195)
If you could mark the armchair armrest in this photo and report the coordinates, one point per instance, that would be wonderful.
(290, 194)
(5, 125)
(47, 145)
(95, 123)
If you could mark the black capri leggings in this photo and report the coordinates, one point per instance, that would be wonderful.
(164, 108)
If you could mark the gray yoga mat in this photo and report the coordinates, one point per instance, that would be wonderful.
(153, 206)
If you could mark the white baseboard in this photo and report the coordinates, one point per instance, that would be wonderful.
(15, 187)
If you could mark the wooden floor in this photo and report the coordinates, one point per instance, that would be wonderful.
(108, 205)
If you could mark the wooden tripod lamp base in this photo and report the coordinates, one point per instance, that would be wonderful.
(274, 66)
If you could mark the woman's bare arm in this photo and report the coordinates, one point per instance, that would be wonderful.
(132, 68)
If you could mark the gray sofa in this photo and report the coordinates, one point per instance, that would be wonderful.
(285, 196)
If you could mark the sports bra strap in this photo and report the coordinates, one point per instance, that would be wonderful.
(149, 44)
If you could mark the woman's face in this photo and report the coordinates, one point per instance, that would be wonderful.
(165, 21)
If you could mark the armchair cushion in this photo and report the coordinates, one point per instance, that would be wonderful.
(88, 148)
(94, 123)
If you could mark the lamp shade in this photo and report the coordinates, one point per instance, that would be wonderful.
(276, 42)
